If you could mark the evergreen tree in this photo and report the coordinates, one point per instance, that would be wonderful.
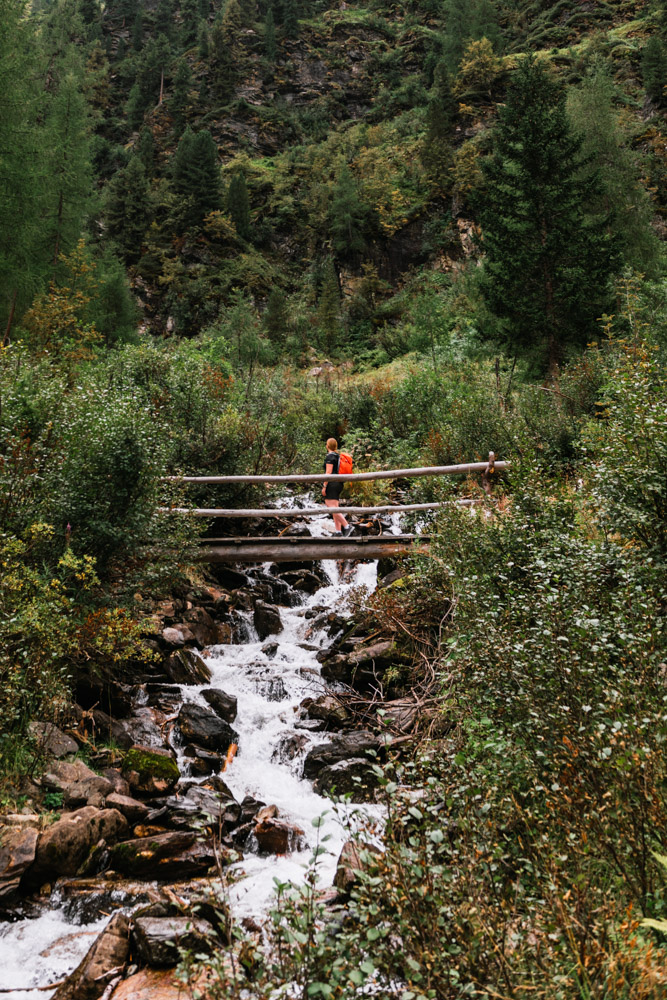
(138, 30)
(22, 166)
(89, 11)
(145, 150)
(113, 311)
(347, 216)
(164, 18)
(203, 40)
(436, 154)
(231, 24)
(621, 195)
(276, 318)
(290, 19)
(270, 45)
(466, 21)
(547, 265)
(189, 22)
(223, 65)
(238, 205)
(654, 68)
(67, 134)
(329, 307)
(135, 108)
(151, 76)
(196, 175)
(180, 95)
(128, 211)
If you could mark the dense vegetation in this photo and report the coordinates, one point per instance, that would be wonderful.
(231, 230)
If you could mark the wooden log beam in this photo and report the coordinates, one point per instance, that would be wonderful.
(309, 511)
(434, 470)
(315, 551)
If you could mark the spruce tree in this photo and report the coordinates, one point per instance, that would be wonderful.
(196, 175)
(223, 65)
(135, 108)
(22, 166)
(290, 19)
(276, 318)
(231, 24)
(145, 150)
(180, 95)
(189, 22)
(547, 264)
(128, 211)
(67, 132)
(654, 68)
(270, 45)
(138, 30)
(329, 308)
(347, 216)
(238, 205)
(436, 153)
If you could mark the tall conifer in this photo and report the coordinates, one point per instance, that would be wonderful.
(128, 211)
(547, 263)
(196, 175)
(238, 205)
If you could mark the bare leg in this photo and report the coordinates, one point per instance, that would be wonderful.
(340, 521)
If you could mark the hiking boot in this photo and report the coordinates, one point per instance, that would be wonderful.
(348, 531)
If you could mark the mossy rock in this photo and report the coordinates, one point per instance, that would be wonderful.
(150, 770)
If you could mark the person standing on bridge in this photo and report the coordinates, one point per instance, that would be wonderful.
(332, 491)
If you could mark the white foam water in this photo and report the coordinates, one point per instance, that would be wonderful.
(269, 689)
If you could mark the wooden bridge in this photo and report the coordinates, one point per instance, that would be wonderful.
(287, 548)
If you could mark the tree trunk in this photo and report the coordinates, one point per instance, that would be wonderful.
(10, 319)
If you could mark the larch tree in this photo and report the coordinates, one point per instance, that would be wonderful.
(547, 261)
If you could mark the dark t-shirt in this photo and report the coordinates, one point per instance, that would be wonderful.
(332, 459)
(333, 490)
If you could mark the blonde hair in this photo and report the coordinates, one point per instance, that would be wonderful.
(332, 444)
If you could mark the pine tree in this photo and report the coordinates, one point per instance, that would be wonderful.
(547, 264)
(223, 65)
(180, 96)
(238, 205)
(135, 108)
(152, 75)
(203, 40)
(347, 216)
(231, 24)
(164, 18)
(621, 195)
(436, 154)
(654, 68)
(145, 150)
(128, 211)
(189, 22)
(270, 45)
(138, 30)
(329, 311)
(113, 311)
(89, 10)
(67, 133)
(276, 318)
(22, 166)
(290, 19)
(196, 175)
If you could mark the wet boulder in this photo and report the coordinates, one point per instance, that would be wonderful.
(202, 762)
(329, 710)
(201, 806)
(144, 727)
(101, 964)
(228, 578)
(88, 792)
(52, 741)
(176, 636)
(267, 620)
(277, 836)
(354, 858)
(343, 747)
(59, 774)
(361, 666)
(205, 729)
(150, 770)
(133, 810)
(187, 666)
(224, 705)
(157, 939)
(302, 579)
(18, 845)
(353, 777)
(166, 857)
(63, 847)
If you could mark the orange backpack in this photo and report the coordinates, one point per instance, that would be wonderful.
(344, 464)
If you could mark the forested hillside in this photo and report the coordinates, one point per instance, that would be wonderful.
(228, 231)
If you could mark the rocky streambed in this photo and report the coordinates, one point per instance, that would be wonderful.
(221, 755)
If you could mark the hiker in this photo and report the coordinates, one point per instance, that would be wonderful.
(332, 491)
